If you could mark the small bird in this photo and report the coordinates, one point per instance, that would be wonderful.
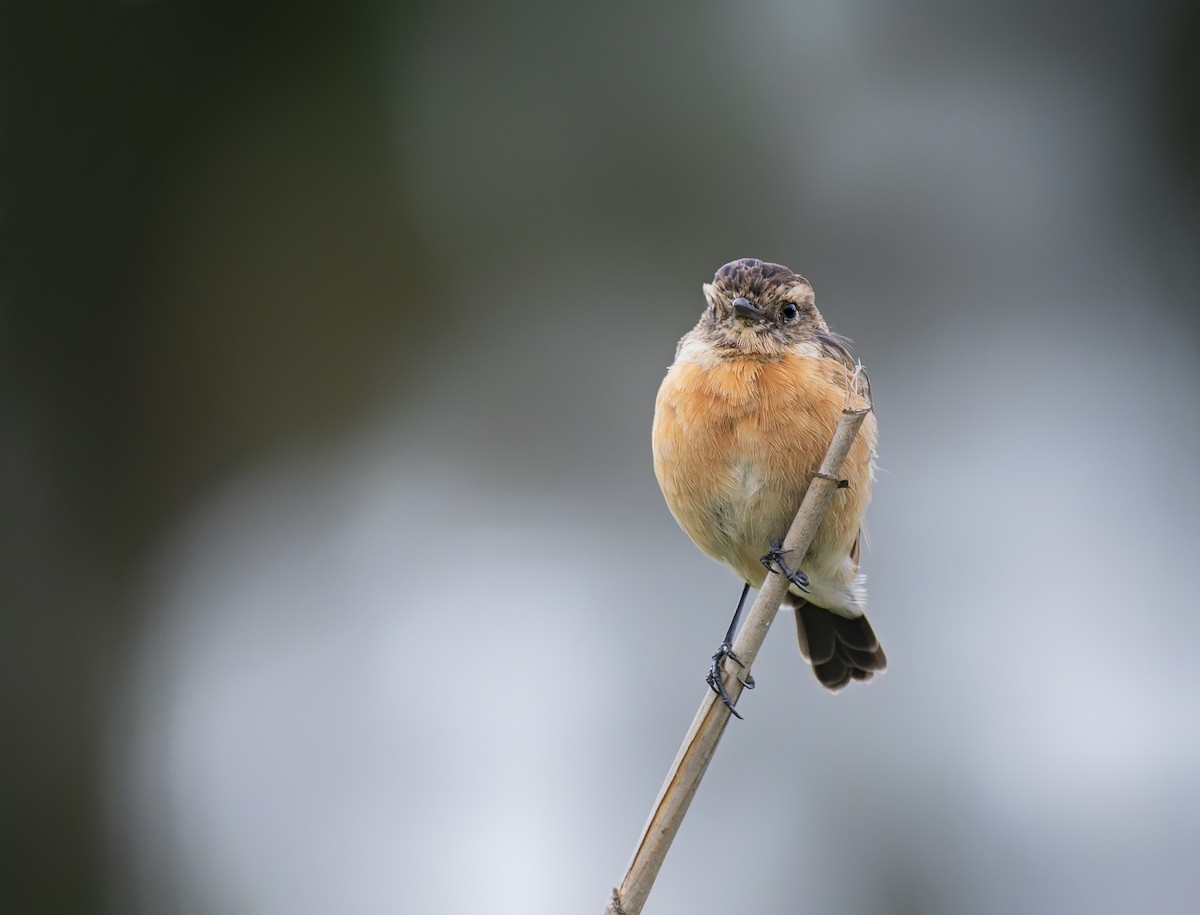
(742, 422)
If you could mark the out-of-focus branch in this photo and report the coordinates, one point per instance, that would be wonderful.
(677, 791)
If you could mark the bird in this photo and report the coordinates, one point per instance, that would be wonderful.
(742, 422)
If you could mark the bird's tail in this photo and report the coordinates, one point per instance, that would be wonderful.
(839, 648)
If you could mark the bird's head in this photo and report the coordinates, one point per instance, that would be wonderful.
(759, 309)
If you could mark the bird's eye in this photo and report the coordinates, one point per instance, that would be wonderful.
(790, 312)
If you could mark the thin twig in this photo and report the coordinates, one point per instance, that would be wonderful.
(709, 724)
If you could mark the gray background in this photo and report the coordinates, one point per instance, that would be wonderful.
(336, 576)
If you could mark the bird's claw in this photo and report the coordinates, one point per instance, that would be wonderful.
(717, 683)
(775, 556)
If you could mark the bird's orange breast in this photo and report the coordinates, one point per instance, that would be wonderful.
(736, 442)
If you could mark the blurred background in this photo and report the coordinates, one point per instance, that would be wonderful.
(336, 578)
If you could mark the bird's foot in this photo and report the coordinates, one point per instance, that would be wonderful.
(775, 556)
(717, 683)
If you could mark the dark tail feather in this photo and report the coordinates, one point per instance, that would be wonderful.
(840, 649)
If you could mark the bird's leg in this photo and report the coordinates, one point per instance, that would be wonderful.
(725, 650)
(775, 558)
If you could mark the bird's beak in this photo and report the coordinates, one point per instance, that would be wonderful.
(744, 308)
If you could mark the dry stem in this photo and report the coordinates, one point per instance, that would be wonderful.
(702, 737)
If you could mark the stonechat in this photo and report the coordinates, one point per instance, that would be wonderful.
(742, 422)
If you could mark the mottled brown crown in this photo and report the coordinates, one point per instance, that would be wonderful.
(754, 278)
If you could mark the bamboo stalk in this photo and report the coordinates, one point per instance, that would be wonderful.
(702, 737)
